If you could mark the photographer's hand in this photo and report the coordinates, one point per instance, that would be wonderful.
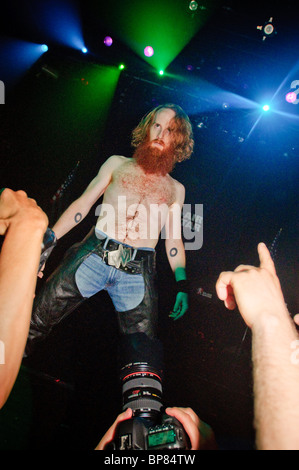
(200, 434)
(109, 436)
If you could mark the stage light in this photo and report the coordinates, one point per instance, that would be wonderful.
(268, 29)
(161, 72)
(84, 50)
(291, 97)
(193, 5)
(148, 51)
(108, 41)
(266, 107)
(121, 66)
(18, 56)
(44, 48)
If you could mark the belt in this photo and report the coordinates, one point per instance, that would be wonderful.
(122, 256)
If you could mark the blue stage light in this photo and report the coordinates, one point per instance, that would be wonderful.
(44, 48)
(60, 22)
(84, 50)
(266, 107)
(18, 57)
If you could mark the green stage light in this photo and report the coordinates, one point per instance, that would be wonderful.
(166, 26)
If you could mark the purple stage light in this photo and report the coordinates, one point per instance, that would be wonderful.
(291, 97)
(108, 41)
(148, 51)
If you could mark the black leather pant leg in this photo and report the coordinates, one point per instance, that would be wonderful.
(144, 317)
(59, 296)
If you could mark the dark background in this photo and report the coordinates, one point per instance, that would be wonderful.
(244, 171)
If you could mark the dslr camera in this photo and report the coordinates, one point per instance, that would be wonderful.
(149, 428)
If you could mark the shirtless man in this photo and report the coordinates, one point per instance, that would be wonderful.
(118, 255)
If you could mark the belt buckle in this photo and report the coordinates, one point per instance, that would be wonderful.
(120, 257)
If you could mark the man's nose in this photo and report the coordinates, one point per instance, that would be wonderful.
(161, 133)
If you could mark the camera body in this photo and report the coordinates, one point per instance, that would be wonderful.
(143, 434)
(149, 428)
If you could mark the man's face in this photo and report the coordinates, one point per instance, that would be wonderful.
(156, 155)
(160, 135)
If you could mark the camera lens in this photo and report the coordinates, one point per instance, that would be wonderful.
(142, 390)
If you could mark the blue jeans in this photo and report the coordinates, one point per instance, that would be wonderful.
(82, 274)
(126, 290)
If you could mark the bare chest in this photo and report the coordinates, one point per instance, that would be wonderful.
(130, 181)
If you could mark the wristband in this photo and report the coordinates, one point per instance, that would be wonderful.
(183, 286)
(1, 190)
(49, 242)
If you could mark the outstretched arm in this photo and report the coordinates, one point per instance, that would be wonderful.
(257, 293)
(23, 224)
(76, 212)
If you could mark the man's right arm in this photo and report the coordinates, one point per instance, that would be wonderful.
(23, 225)
(76, 212)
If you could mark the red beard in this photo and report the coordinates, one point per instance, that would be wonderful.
(153, 160)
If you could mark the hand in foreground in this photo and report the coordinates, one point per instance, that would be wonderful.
(16, 209)
(109, 436)
(200, 434)
(256, 291)
(190, 422)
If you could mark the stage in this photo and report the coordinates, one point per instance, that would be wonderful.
(64, 116)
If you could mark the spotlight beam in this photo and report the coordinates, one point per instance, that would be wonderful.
(18, 56)
(60, 21)
(254, 127)
(288, 77)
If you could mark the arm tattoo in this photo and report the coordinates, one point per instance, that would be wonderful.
(78, 217)
(173, 252)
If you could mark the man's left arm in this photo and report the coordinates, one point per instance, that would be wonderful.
(176, 253)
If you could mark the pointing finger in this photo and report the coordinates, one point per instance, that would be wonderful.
(266, 261)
